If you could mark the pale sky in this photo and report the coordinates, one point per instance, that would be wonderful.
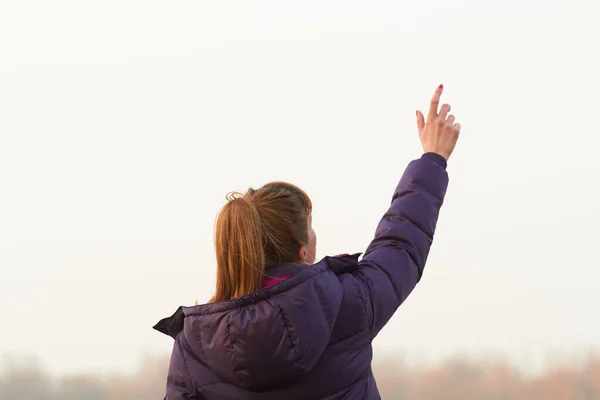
(123, 124)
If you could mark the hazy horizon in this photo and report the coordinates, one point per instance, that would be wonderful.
(455, 378)
(123, 125)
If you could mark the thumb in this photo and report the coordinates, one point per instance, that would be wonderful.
(420, 121)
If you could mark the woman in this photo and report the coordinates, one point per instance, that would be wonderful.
(281, 326)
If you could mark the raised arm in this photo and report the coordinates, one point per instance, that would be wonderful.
(395, 259)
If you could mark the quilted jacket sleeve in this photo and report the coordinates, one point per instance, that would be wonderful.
(179, 384)
(394, 261)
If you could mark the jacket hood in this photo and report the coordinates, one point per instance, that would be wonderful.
(271, 337)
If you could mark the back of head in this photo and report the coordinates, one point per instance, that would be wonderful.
(258, 230)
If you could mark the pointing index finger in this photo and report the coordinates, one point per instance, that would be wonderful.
(435, 102)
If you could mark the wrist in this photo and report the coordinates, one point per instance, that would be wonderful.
(436, 158)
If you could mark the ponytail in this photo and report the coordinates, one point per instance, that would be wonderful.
(239, 246)
(257, 231)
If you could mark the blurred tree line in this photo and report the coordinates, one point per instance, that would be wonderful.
(24, 379)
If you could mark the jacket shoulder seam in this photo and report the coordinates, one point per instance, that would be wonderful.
(190, 381)
(290, 335)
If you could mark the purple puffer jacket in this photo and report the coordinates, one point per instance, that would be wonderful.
(309, 336)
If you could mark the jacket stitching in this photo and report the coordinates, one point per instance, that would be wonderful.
(371, 295)
(360, 295)
(231, 341)
(187, 370)
(289, 331)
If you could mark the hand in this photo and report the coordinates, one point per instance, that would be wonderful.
(439, 133)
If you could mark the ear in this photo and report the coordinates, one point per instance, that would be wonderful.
(302, 253)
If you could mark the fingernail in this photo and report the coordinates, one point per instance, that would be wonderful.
(441, 86)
